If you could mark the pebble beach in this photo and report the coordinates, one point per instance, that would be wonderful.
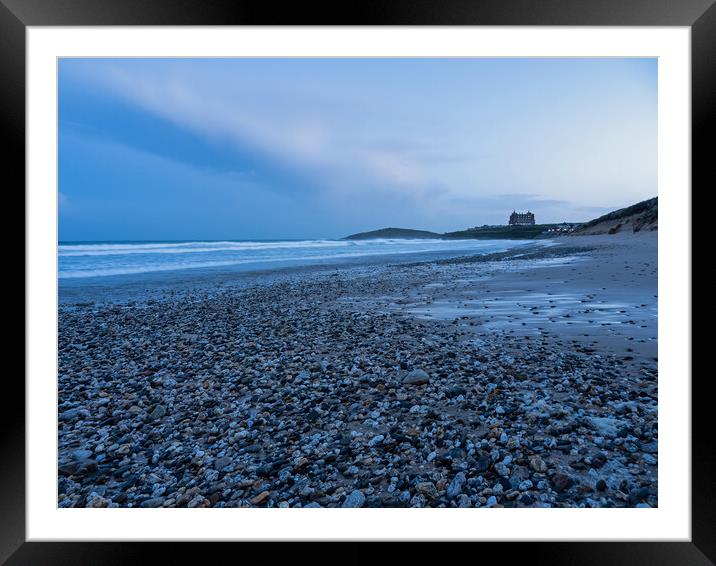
(526, 378)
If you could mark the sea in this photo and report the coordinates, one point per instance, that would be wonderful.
(79, 260)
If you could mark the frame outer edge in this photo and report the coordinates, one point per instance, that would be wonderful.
(12, 123)
(703, 124)
(12, 415)
(387, 12)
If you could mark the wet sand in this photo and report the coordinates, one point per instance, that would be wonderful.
(604, 297)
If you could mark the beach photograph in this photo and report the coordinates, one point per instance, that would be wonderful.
(357, 283)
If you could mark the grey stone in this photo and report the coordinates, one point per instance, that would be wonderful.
(501, 469)
(455, 487)
(428, 489)
(73, 414)
(158, 412)
(222, 463)
(416, 377)
(354, 499)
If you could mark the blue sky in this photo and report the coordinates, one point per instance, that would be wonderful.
(160, 149)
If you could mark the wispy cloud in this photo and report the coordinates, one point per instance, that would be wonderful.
(321, 143)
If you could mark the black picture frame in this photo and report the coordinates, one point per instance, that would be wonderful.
(17, 15)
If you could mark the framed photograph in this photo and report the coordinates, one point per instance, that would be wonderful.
(398, 277)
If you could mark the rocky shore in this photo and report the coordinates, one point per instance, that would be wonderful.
(360, 387)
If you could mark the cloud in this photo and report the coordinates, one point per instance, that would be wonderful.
(504, 201)
(321, 144)
(527, 199)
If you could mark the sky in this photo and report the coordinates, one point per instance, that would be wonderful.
(181, 149)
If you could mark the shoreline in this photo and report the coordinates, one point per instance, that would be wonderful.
(152, 285)
(530, 386)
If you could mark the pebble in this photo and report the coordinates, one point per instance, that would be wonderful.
(561, 481)
(455, 487)
(538, 465)
(355, 499)
(501, 469)
(158, 412)
(416, 377)
(427, 489)
(260, 498)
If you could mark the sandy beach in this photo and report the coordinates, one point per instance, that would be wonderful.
(519, 379)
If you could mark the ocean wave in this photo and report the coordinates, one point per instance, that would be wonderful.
(72, 250)
(122, 259)
(77, 250)
(175, 266)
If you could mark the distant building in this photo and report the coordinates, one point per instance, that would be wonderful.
(520, 219)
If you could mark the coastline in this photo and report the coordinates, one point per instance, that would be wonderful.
(287, 387)
(155, 285)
